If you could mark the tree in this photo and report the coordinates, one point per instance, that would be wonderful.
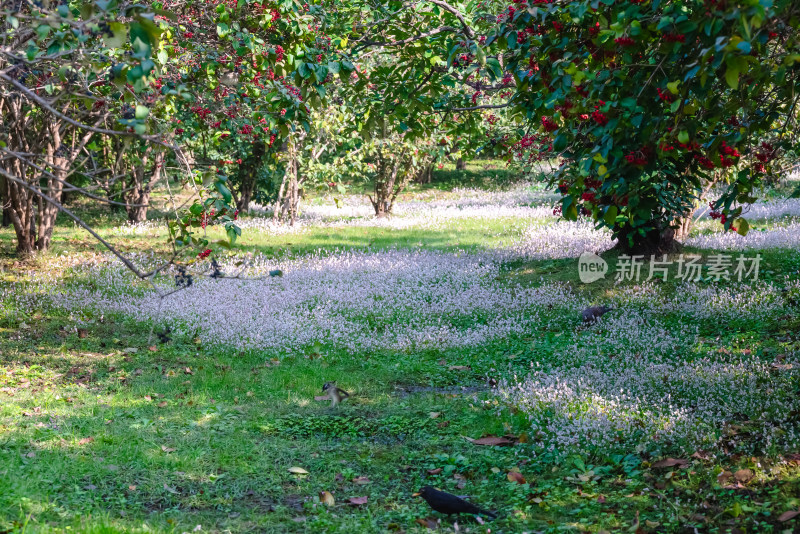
(53, 70)
(650, 104)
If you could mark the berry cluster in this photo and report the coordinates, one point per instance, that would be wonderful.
(674, 38)
(638, 157)
(704, 161)
(731, 153)
(599, 117)
(765, 153)
(666, 96)
(548, 124)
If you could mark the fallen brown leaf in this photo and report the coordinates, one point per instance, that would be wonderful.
(515, 476)
(84, 441)
(786, 516)
(152, 348)
(326, 498)
(435, 471)
(162, 404)
(362, 480)
(459, 368)
(428, 522)
(167, 449)
(671, 462)
(357, 501)
(723, 477)
(491, 441)
(743, 475)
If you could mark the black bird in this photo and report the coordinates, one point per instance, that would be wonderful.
(593, 314)
(447, 503)
(164, 337)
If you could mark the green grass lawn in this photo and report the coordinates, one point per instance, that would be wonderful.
(104, 427)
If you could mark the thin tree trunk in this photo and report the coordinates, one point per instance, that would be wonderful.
(294, 190)
(461, 165)
(277, 212)
(5, 201)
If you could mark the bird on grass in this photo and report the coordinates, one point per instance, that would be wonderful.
(592, 314)
(336, 394)
(447, 503)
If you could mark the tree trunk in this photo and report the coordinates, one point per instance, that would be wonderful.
(5, 202)
(684, 226)
(59, 158)
(247, 174)
(656, 241)
(461, 165)
(246, 186)
(294, 185)
(137, 197)
(277, 212)
(387, 187)
(425, 175)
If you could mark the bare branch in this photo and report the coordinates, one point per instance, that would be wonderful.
(447, 7)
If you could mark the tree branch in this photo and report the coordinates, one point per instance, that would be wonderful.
(447, 7)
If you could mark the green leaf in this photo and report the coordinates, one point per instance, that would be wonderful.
(560, 143)
(742, 226)
(224, 191)
(745, 47)
(673, 87)
(480, 54)
(494, 66)
(140, 41)
(732, 75)
(683, 137)
(233, 232)
(611, 215)
(141, 112)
